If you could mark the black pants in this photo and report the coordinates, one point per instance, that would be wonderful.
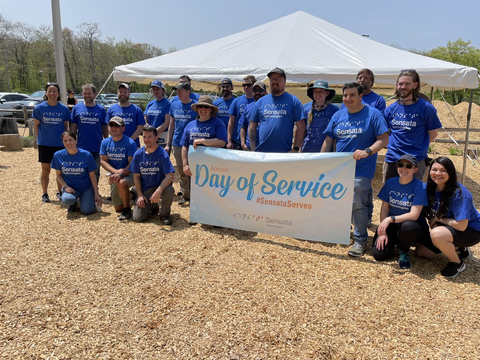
(404, 234)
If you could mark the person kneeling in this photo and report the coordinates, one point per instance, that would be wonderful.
(403, 198)
(153, 177)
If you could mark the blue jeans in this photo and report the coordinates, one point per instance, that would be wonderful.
(360, 209)
(87, 200)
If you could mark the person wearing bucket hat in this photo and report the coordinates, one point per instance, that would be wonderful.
(401, 223)
(181, 113)
(157, 112)
(206, 130)
(319, 111)
(225, 101)
(130, 113)
(277, 114)
(236, 111)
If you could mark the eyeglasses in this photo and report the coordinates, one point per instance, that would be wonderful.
(247, 85)
(203, 107)
(408, 165)
(258, 90)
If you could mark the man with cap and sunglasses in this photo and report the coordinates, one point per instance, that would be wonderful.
(157, 112)
(130, 113)
(236, 110)
(186, 79)
(181, 113)
(413, 124)
(277, 114)
(116, 153)
(225, 101)
(259, 91)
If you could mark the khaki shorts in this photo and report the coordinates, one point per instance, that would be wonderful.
(114, 190)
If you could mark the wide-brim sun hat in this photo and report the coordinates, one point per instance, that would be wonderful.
(205, 100)
(320, 84)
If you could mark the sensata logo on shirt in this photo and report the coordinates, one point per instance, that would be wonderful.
(149, 167)
(274, 110)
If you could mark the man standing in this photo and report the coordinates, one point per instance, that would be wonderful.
(413, 124)
(153, 176)
(277, 114)
(225, 101)
(157, 112)
(362, 130)
(236, 110)
(259, 90)
(89, 119)
(116, 153)
(186, 79)
(130, 113)
(181, 114)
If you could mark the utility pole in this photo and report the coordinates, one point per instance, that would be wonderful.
(58, 41)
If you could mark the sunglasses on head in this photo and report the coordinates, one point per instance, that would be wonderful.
(407, 165)
(247, 85)
(203, 107)
(52, 83)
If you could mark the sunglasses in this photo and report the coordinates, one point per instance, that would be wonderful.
(52, 83)
(247, 85)
(203, 107)
(258, 91)
(114, 125)
(408, 166)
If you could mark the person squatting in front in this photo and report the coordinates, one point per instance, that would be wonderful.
(401, 223)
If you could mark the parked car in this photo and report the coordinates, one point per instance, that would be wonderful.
(8, 101)
(38, 95)
(29, 104)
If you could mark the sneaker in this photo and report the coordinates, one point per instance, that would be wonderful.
(108, 198)
(72, 208)
(183, 201)
(404, 260)
(59, 195)
(453, 269)
(126, 214)
(45, 198)
(357, 249)
(155, 209)
(133, 194)
(166, 220)
(180, 193)
(464, 253)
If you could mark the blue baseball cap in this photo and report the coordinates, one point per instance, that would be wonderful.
(226, 81)
(158, 84)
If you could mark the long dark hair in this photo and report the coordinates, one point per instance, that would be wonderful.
(415, 78)
(46, 89)
(450, 186)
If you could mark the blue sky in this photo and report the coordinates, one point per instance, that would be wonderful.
(419, 24)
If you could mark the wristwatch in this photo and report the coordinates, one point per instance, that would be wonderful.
(369, 151)
(393, 219)
(296, 148)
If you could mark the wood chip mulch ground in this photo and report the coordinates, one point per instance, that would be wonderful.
(92, 287)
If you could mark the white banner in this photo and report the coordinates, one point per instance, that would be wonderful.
(305, 196)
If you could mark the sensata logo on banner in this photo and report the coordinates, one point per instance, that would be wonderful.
(307, 196)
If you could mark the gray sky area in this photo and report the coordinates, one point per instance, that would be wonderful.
(419, 24)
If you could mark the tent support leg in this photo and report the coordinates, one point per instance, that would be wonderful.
(100, 91)
(465, 151)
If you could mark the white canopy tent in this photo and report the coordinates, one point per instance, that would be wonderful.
(306, 47)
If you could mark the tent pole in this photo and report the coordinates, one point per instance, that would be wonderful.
(100, 91)
(465, 152)
(431, 94)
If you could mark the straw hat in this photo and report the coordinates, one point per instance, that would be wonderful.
(205, 100)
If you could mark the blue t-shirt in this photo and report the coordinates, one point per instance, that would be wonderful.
(151, 167)
(75, 169)
(223, 108)
(245, 122)
(236, 109)
(132, 115)
(276, 116)
(357, 132)
(52, 123)
(156, 111)
(119, 151)
(193, 96)
(315, 130)
(461, 207)
(210, 129)
(372, 99)
(182, 114)
(409, 126)
(401, 197)
(89, 120)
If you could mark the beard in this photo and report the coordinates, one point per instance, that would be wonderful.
(276, 90)
(226, 93)
(405, 93)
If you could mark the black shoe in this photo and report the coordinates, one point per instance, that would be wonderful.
(126, 214)
(133, 194)
(155, 209)
(108, 198)
(453, 269)
(183, 201)
(72, 208)
(464, 253)
(45, 198)
(166, 220)
(180, 193)
(59, 196)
